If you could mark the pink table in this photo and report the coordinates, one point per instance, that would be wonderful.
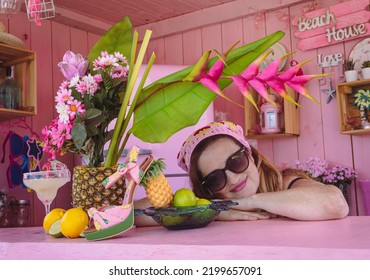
(348, 238)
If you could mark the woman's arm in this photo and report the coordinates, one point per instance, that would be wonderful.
(143, 220)
(305, 200)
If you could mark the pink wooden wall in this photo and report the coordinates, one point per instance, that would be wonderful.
(319, 127)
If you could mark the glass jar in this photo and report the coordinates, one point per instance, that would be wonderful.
(10, 91)
(6, 210)
(23, 213)
(271, 117)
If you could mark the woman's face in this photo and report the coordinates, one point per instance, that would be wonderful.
(238, 185)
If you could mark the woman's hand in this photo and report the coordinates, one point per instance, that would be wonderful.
(238, 215)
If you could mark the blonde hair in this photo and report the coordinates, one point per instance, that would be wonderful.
(271, 179)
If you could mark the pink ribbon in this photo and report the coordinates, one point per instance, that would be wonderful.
(129, 168)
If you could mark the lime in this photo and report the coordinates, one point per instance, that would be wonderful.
(172, 220)
(203, 216)
(74, 222)
(55, 230)
(184, 197)
(52, 217)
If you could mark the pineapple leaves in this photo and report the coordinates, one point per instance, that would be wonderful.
(174, 104)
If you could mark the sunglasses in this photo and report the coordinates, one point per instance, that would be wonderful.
(25, 149)
(238, 162)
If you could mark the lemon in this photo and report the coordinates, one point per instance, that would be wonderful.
(55, 230)
(52, 217)
(184, 197)
(73, 223)
(203, 201)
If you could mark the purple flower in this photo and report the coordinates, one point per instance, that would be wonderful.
(319, 170)
(72, 65)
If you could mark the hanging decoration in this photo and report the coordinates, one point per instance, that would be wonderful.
(330, 91)
(309, 7)
(10, 7)
(40, 9)
(260, 18)
(283, 17)
(334, 63)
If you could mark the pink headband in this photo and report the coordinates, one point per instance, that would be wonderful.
(214, 128)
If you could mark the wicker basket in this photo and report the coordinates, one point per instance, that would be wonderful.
(88, 191)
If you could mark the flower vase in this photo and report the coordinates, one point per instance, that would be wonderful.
(346, 192)
(351, 75)
(88, 191)
(366, 73)
(365, 191)
(363, 116)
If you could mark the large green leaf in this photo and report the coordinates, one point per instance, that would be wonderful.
(117, 39)
(175, 106)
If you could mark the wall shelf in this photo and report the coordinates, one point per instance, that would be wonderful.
(291, 118)
(349, 115)
(24, 62)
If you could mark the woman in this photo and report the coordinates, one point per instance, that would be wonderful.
(222, 165)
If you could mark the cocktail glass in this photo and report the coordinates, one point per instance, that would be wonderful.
(46, 184)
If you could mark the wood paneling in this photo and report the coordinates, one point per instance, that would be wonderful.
(86, 14)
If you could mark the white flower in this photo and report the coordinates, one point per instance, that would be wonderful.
(63, 112)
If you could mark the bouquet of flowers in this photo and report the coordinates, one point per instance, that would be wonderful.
(100, 88)
(321, 171)
(86, 104)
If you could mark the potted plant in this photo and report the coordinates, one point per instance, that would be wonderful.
(366, 69)
(362, 102)
(327, 173)
(349, 70)
(101, 88)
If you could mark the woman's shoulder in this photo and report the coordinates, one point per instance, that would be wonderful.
(290, 176)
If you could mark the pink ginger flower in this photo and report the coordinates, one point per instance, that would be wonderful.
(248, 78)
(209, 79)
(269, 77)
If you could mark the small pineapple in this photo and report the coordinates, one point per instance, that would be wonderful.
(156, 186)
